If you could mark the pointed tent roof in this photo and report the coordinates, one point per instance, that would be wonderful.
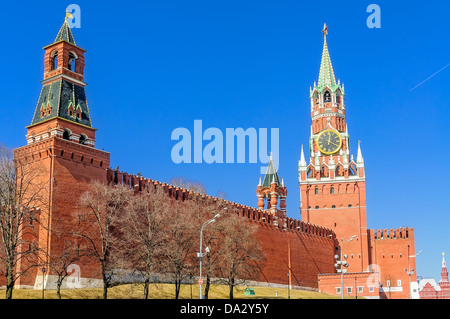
(359, 158)
(271, 175)
(326, 73)
(65, 34)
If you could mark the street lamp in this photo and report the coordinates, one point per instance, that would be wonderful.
(289, 287)
(43, 281)
(340, 264)
(410, 271)
(201, 254)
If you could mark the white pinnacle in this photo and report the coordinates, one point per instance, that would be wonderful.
(359, 158)
(302, 158)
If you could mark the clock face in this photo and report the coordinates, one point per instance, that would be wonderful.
(329, 142)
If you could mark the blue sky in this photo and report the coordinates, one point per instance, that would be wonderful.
(154, 66)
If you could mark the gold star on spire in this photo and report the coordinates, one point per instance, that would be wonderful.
(324, 31)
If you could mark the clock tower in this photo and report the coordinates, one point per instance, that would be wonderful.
(332, 184)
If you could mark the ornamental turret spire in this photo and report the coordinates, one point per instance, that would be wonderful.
(65, 34)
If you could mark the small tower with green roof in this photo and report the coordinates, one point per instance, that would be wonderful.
(272, 191)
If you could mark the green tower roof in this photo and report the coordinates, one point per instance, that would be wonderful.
(326, 73)
(271, 175)
(65, 34)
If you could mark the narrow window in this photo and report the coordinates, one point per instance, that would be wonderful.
(332, 190)
(83, 139)
(71, 62)
(316, 191)
(327, 97)
(66, 134)
(54, 60)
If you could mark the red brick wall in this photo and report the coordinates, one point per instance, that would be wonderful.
(309, 255)
(308, 249)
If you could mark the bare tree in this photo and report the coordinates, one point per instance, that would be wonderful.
(181, 182)
(101, 207)
(60, 263)
(23, 185)
(142, 225)
(177, 256)
(240, 254)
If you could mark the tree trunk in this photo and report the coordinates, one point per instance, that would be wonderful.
(208, 277)
(105, 287)
(58, 286)
(9, 290)
(231, 287)
(208, 283)
(146, 286)
(9, 284)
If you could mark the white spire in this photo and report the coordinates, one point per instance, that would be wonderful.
(443, 261)
(259, 181)
(302, 158)
(359, 158)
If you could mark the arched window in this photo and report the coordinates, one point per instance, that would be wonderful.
(72, 61)
(83, 139)
(332, 190)
(327, 96)
(316, 191)
(54, 60)
(66, 134)
(309, 173)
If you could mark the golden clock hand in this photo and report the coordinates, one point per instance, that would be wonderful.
(334, 143)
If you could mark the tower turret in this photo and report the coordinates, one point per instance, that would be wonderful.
(62, 109)
(272, 191)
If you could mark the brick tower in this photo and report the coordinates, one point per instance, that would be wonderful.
(332, 185)
(274, 192)
(61, 140)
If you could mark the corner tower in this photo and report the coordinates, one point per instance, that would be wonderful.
(61, 143)
(332, 184)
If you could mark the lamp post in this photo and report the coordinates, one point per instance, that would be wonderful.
(410, 271)
(289, 287)
(43, 281)
(201, 254)
(340, 264)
